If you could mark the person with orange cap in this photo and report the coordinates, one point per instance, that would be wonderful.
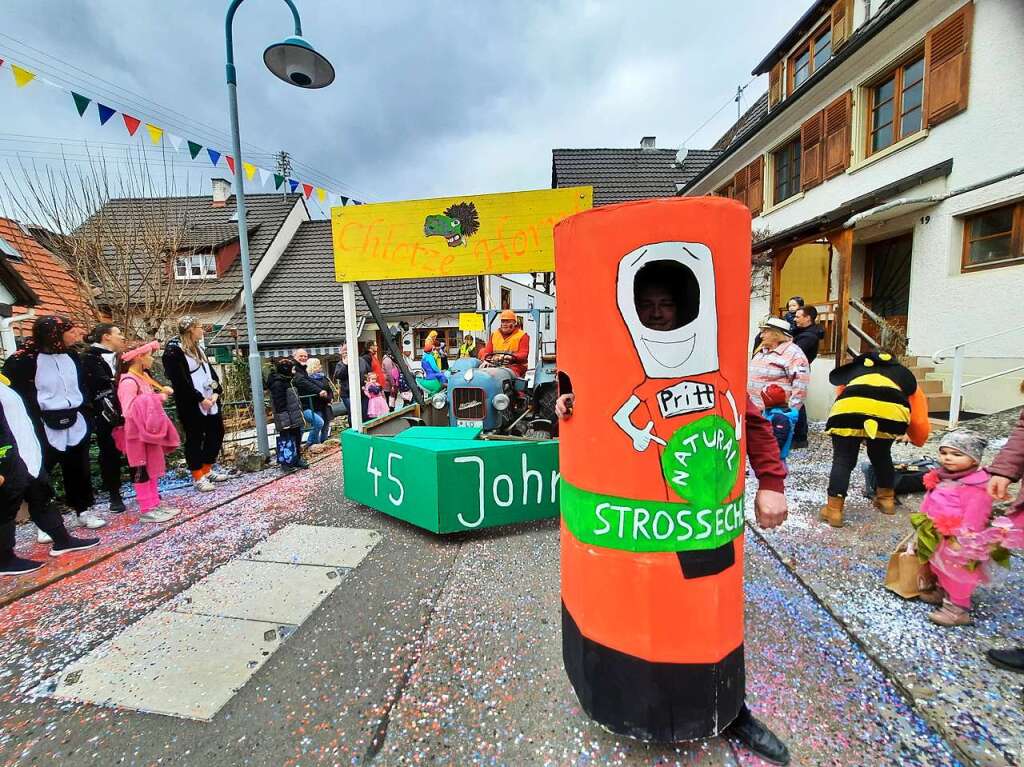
(510, 340)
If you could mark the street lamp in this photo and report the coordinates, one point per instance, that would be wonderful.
(296, 62)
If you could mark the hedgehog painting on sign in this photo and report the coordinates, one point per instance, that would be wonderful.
(652, 467)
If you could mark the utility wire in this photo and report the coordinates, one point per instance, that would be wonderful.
(732, 100)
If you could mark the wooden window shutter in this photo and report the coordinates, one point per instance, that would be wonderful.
(811, 151)
(775, 85)
(947, 65)
(755, 186)
(841, 23)
(739, 186)
(838, 116)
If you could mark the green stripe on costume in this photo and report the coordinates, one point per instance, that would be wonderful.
(613, 522)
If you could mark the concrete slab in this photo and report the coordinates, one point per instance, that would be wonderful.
(172, 663)
(313, 545)
(260, 591)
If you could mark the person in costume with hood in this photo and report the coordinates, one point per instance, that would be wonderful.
(878, 402)
(433, 379)
(148, 434)
(48, 375)
(197, 392)
(284, 398)
(21, 467)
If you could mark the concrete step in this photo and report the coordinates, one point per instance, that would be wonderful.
(920, 371)
(930, 386)
(937, 402)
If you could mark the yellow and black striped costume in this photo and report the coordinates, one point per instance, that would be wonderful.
(875, 401)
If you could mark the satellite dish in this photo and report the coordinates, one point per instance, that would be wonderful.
(681, 155)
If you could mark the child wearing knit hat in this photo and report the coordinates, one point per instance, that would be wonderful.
(956, 532)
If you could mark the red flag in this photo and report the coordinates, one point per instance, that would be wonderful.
(231, 162)
(131, 123)
(307, 189)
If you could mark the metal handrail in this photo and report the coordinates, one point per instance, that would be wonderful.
(958, 385)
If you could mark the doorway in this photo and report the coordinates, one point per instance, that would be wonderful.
(887, 281)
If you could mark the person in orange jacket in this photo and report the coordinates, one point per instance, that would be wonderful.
(878, 403)
(512, 340)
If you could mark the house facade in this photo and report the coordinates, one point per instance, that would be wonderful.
(884, 170)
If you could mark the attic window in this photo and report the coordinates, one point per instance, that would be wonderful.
(9, 250)
(201, 266)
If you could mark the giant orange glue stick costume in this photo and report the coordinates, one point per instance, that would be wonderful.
(653, 302)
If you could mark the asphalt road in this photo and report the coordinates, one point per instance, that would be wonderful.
(432, 651)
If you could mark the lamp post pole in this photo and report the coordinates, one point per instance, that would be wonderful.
(255, 372)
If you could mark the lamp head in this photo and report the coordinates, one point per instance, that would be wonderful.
(295, 62)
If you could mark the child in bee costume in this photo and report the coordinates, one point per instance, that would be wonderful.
(878, 402)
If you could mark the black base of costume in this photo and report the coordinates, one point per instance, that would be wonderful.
(74, 466)
(660, 702)
(204, 436)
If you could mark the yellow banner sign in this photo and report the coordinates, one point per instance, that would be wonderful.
(471, 321)
(450, 236)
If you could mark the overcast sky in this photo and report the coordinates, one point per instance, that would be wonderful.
(430, 99)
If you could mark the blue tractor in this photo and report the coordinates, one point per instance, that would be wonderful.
(495, 399)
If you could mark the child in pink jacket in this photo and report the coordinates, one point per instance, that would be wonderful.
(148, 434)
(963, 537)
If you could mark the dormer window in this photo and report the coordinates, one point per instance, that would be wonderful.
(9, 250)
(199, 266)
(811, 56)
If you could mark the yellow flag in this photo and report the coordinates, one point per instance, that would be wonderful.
(321, 194)
(250, 170)
(22, 77)
(155, 133)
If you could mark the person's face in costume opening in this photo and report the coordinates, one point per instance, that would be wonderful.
(73, 336)
(508, 327)
(666, 296)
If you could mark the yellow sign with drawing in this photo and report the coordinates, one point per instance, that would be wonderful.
(451, 236)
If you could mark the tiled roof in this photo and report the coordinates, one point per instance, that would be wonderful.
(300, 302)
(618, 175)
(46, 275)
(757, 111)
(193, 222)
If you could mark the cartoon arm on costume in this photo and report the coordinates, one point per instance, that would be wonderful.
(919, 427)
(642, 438)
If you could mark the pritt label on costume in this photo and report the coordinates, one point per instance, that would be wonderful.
(686, 397)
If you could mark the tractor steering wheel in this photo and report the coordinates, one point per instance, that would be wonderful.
(500, 359)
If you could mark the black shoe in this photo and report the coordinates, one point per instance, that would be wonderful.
(798, 444)
(18, 566)
(301, 465)
(757, 738)
(116, 503)
(71, 545)
(1011, 660)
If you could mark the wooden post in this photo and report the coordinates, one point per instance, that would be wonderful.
(842, 241)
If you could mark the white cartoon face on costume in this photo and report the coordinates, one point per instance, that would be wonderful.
(666, 295)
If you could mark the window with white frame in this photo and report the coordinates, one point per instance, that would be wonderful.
(199, 266)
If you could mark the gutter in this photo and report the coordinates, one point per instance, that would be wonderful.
(855, 43)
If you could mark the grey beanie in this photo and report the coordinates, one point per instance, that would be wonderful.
(967, 442)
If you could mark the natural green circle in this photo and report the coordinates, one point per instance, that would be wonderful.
(702, 461)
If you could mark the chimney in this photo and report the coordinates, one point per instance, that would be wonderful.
(647, 142)
(221, 192)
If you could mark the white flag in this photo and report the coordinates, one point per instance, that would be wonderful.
(175, 140)
(264, 176)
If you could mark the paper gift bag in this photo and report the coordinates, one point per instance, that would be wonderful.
(904, 570)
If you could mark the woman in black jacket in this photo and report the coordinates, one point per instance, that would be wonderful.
(197, 392)
(287, 414)
(47, 373)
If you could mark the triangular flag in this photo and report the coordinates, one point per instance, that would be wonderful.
(264, 176)
(356, 202)
(307, 190)
(250, 170)
(321, 194)
(344, 201)
(214, 155)
(293, 184)
(155, 133)
(231, 162)
(1, 62)
(131, 123)
(22, 77)
(194, 149)
(81, 103)
(175, 140)
(105, 112)
(278, 180)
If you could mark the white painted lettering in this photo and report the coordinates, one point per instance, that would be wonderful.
(529, 474)
(480, 486)
(640, 518)
(507, 481)
(607, 525)
(681, 516)
(398, 483)
(705, 526)
(374, 472)
(659, 515)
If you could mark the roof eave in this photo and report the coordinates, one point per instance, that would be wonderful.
(791, 37)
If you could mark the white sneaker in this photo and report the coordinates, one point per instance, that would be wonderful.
(204, 485)
(153, 515)
(43, 537)
(170, 511)
(90, 520)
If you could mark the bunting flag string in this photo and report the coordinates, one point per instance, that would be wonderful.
(158, 135)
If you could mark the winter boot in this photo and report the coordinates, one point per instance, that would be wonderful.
(885, 500)
(832, 512)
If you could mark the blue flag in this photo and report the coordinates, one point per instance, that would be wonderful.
(105, 112)
(214, 155)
